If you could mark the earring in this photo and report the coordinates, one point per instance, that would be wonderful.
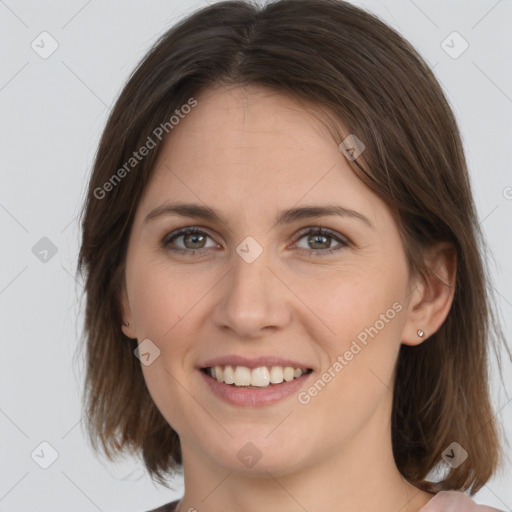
(420, 333)
(126, 324)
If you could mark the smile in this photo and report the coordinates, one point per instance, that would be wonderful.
(260, 386)
(261, 377)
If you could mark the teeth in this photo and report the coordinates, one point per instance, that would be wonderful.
(242, 376)
(288, 374)
(229, 374)
(218, 373)
(276, 374)
(258, 377)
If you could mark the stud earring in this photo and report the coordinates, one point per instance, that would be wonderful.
(126, 324)
(420, 333)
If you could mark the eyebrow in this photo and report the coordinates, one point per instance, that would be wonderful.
(198, 211)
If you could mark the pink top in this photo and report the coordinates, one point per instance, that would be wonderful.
(443, 501)
(454, 501)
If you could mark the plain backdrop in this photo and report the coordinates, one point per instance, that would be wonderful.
(53, 111)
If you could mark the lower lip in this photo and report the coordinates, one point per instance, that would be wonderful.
(254, 397)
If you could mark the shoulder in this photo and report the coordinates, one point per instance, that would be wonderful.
(168, 507)
(454, 501)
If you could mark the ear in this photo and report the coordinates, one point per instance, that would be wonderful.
(126, 313)
(431, 297)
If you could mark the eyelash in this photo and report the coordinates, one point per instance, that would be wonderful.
(319, 231)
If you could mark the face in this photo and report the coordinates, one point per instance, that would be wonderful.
(245, 290)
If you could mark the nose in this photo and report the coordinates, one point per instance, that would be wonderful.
(253, 300)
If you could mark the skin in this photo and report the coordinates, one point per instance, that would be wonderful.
(250, 152)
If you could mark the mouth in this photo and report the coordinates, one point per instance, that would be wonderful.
(254, 378)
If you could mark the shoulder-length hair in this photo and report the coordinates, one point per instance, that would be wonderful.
(360, 71)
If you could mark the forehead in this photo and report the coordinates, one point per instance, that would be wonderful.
(254, 148)
(252, 117)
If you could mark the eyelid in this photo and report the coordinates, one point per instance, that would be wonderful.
(322, 231)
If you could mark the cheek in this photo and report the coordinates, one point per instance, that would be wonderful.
(360, 357)
(162, 310)
(165, 306)
(352, 303)
(365, 316)
(160, 298)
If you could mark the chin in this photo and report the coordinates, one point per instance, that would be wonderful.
(258, 456)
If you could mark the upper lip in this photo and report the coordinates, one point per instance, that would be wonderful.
(256, 362)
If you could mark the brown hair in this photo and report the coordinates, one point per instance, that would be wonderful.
(355, 67)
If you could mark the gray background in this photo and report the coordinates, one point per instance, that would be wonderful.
(52, 113)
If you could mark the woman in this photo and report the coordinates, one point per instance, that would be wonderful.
(286, 296)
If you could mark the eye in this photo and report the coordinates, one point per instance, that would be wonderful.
(321, 239)
(193, 240)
